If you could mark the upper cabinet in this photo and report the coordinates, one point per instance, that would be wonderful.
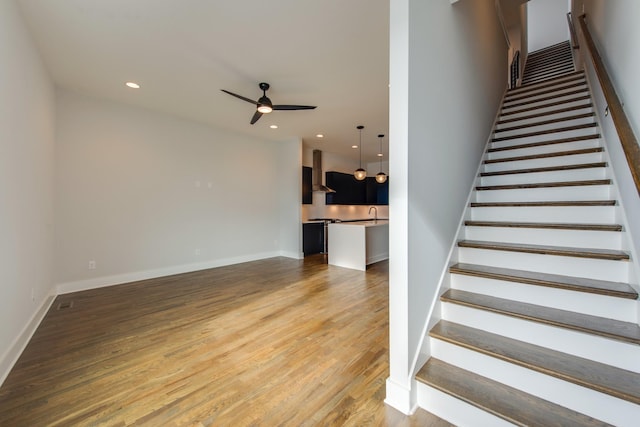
(350, 191)
(307, 195)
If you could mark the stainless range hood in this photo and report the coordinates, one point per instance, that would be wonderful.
(317, 174)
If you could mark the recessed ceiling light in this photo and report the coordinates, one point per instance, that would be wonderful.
(274, 126)
(132, 85)
(354, 146)
(319, 135)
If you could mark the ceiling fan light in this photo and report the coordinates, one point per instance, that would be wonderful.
(381, 178)
(360, 174)
(264, 105)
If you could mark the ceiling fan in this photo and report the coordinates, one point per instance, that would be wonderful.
(264, 104)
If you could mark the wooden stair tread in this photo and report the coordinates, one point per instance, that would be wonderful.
(546, 122)
(551, 64)
(545, 113)
(557, 64)
(543, 143)
(579, 284)
(546, 169)
(528, 88)
(595, 253)
(555, 226)
(608, 328)
(546, 71)
(544, 185)
(561, 86)
(597, 376)
(505, 402)
(545, 203)
(546, 98)
(546, 132)
(543, 50)
(547, 105)
(546, 155)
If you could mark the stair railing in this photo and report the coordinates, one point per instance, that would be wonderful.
(572, 30)
(628, 139)
(515, 70)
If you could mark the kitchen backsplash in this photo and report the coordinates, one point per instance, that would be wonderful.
(319, 210)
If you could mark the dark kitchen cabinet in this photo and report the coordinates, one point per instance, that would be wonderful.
(312, 238)
(350, 191)
(307, 194)
(377, 194)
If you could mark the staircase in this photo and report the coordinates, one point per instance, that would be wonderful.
(539, 325)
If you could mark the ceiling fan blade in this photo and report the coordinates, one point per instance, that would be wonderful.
(256, 117)
(293, 107)
(240, 96)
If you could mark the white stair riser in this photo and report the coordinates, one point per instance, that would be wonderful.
(547, 137)
(547, 92)
(539, 96)
(455, 410)
(544, 149)
(581, 302)
(581, 399)
(615, 271)
(573, 193)
(568, 214)
(574, 159)
(516, 93)
(584, 174)
(516, 112)
(585, 108)
(573, 77)
(543, 236)
(600, 349)
(514, 106)
(544, 74)
(544, 127)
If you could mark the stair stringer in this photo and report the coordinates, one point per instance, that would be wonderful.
(434, 314)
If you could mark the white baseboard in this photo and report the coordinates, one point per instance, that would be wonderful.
(400, 397)
(11, 355)
(103, 281)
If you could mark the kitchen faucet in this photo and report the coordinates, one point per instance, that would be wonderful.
(375, 211)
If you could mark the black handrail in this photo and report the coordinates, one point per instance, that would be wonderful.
(515, 70)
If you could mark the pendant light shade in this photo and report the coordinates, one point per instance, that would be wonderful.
(381, 177)
(360, 174)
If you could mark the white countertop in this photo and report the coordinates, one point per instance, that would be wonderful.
(372, 223)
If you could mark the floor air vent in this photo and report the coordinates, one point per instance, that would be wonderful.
(65, 305)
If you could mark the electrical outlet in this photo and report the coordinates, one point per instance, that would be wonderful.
(92, 265)
(196, 252)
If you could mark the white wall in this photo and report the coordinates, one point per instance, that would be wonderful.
(26, 176)
(614, 28)
(447, 78)
(146, 194)
(547, 23)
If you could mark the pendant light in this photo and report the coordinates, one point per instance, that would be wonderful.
(360, 174)
(381, 178)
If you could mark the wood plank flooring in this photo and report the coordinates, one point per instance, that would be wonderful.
(276, 342)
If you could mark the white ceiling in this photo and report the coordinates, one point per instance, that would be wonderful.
(329, 53)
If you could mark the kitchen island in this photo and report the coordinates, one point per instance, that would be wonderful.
(356, 244)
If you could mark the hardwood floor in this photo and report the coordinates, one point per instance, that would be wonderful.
(266, 343)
